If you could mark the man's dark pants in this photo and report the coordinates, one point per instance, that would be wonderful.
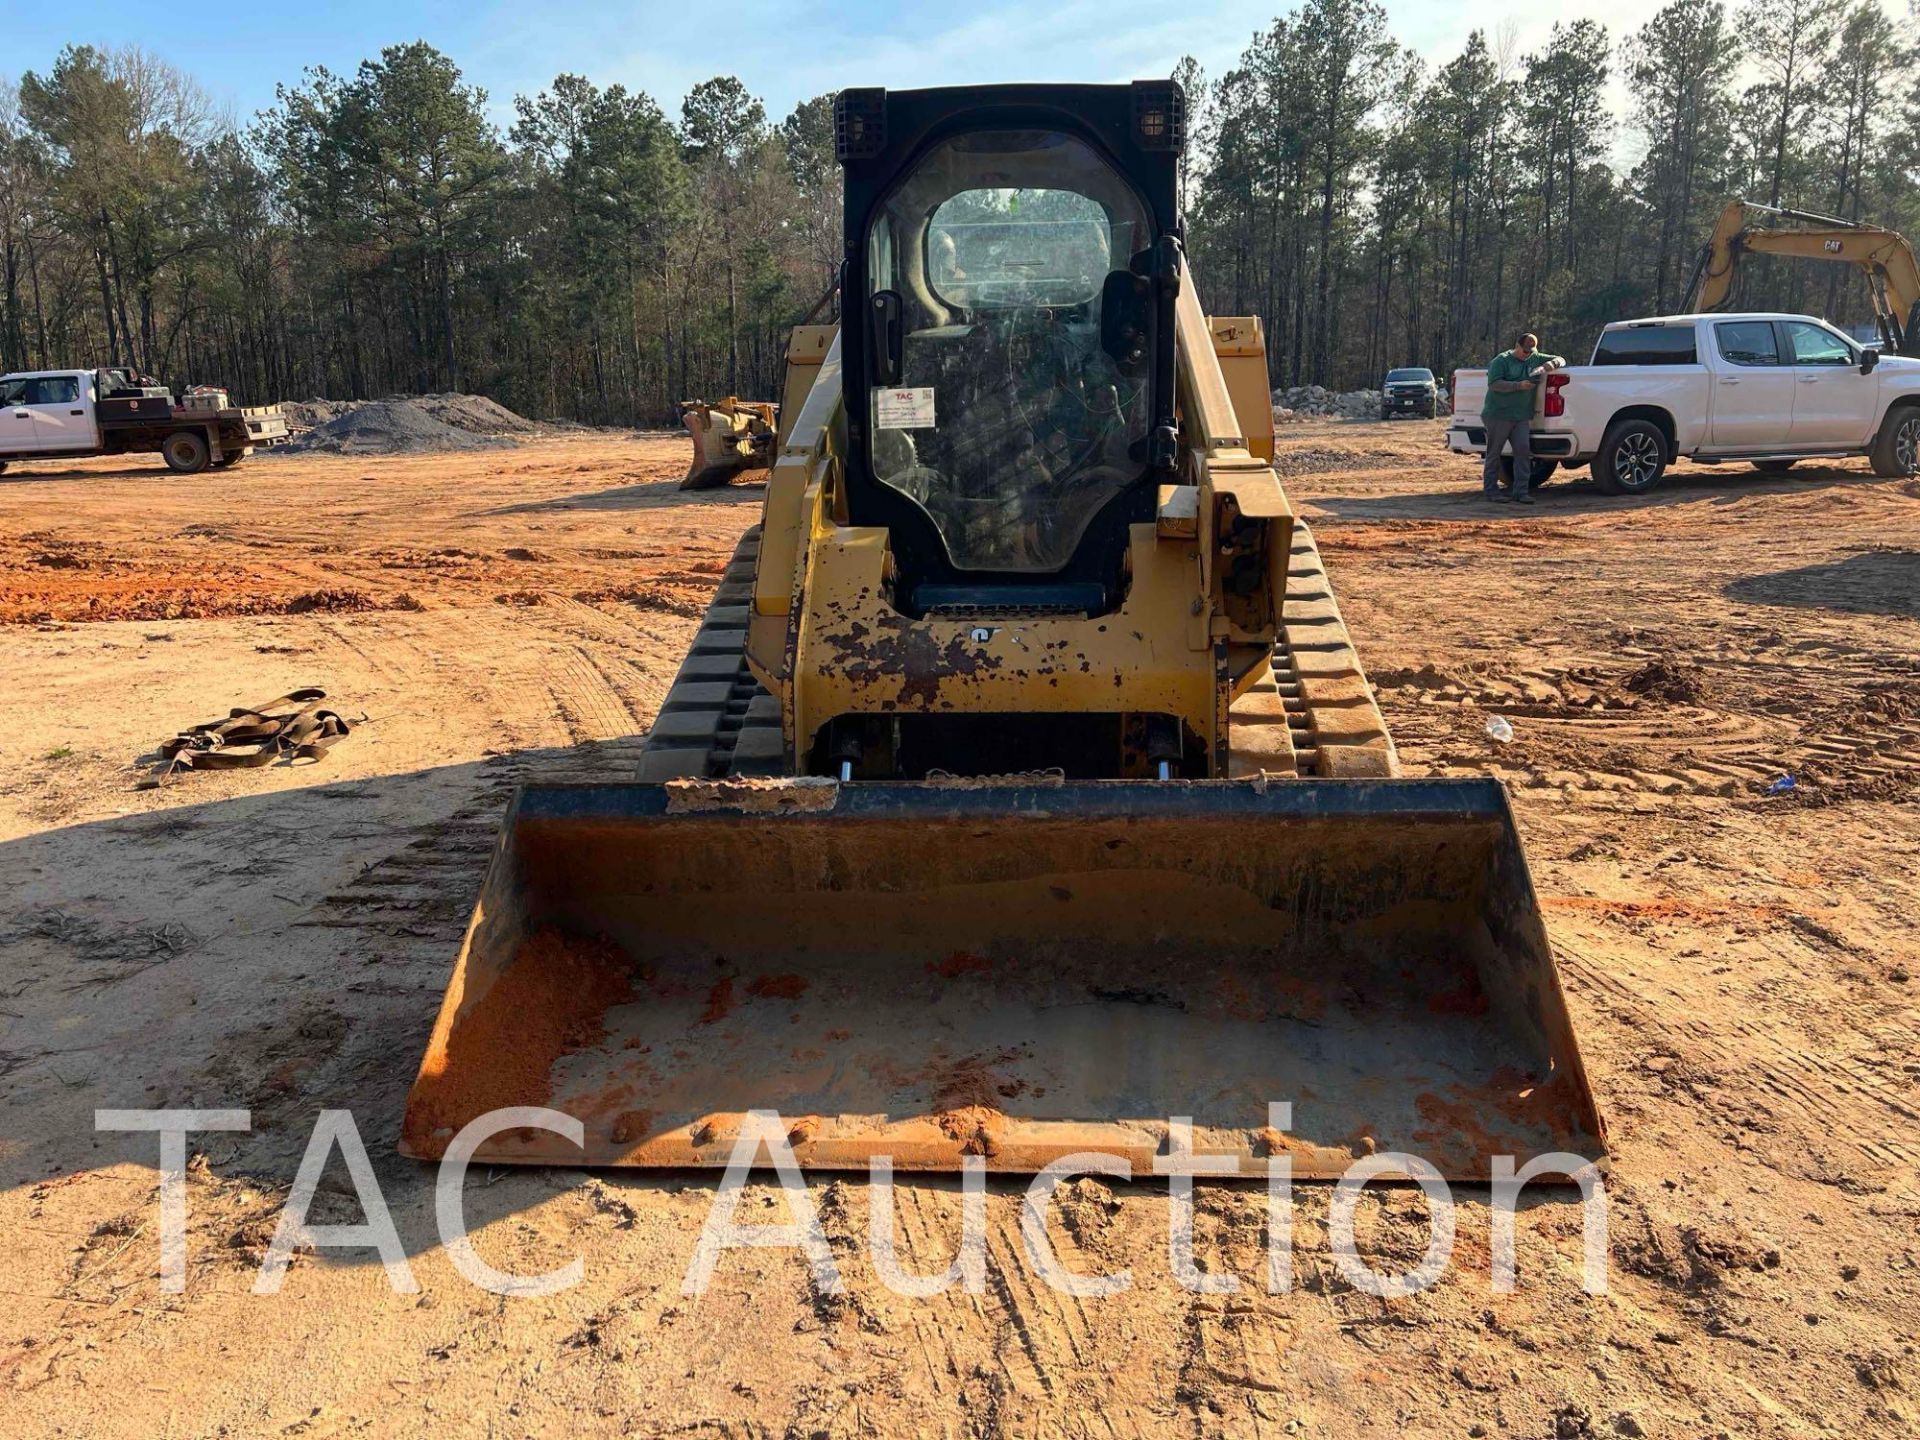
(1499, 434)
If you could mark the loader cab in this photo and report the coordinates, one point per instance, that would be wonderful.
(1011, 263)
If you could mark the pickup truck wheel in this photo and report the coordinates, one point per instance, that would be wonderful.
(1773, 467)
(1542, 472)
(1632, 458)
(185, 452)
(1896, 450)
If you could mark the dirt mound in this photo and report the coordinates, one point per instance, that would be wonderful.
(305, 414)
(401, 424)
(390, 427)
(473, 413)
(1894, 700)
(331, 601)
(647, 597)
(1670, 680)
(203, 593)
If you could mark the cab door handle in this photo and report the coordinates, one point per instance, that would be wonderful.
(76, 412)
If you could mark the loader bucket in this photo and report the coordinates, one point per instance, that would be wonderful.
(1019, 972)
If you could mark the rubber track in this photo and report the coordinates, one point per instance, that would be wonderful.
(717, 720)
(1336, 725)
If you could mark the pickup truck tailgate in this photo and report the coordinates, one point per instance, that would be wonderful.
(1553, 435)
(266, 424)
(1469, 390)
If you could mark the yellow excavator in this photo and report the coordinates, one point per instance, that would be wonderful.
(1022, 791)
(1885, 258)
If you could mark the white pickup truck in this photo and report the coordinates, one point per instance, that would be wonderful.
(1769, 389)
(64, 414)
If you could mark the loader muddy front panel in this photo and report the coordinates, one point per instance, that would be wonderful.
(1019, 972)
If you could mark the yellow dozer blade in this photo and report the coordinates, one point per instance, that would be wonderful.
(734, 436)
(931, 971)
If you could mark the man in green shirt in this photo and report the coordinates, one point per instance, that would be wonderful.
(1507, 413)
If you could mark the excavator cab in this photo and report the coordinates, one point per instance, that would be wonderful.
(1022, 792)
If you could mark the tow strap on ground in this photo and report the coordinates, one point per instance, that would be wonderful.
(291, 727)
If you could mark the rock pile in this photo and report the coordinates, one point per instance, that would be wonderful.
(401, 424)
(1316, 402)
(387, 427)
(475, 413)
(305, 414)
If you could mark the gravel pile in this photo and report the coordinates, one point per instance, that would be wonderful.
(401, 424)
(305, 414)
(1322, 460)
(1316, 402)
(473, 413)
(388, 427)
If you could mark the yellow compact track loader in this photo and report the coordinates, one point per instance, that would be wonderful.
(1022, 790)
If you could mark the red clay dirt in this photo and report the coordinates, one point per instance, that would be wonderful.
(719, 1002)
(333, 552)
(778, 987)
(960, 963)
(1740, 962)
(550, 1002)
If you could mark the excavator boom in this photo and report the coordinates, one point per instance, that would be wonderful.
(1884, 257)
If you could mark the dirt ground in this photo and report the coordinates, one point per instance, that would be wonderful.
(1739, 963)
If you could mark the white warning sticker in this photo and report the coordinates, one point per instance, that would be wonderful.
(904, 409)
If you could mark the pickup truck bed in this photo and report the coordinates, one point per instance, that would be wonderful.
(236, 427)
(63, 414)
(1769, 389)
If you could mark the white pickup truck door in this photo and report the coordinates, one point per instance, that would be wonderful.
(1833, 403)
(62, 412)
(16, 420)
(1753, 390)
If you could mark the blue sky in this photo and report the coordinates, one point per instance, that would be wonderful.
(784, 52)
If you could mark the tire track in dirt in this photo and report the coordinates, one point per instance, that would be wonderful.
(1826, 1094)
(927, 1238)
(378, 655)
(585, 701)
(1577, 730)
(425, 890)
(1037, 1348)
(636, 656)
(1032, 1340)
(1819, 1088)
